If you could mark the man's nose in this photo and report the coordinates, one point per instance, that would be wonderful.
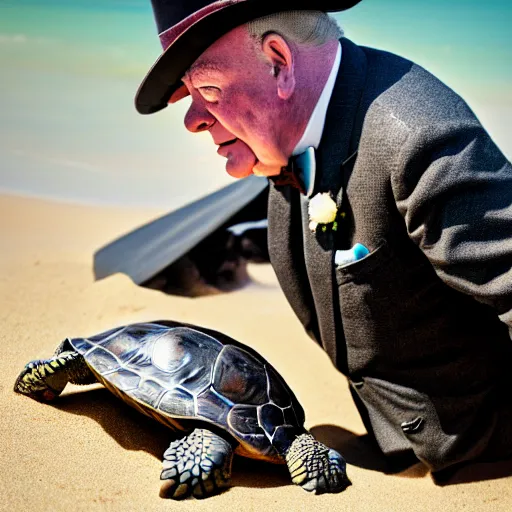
(198, 119)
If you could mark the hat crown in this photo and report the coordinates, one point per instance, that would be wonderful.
(170, 12)
(186, 28)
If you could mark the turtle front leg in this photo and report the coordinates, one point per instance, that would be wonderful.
(315, 467)
(45, 379)
(198, 465)
(312, 465)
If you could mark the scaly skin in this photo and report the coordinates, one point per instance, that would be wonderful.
(44, 380)
(315, 467)
(199, 464)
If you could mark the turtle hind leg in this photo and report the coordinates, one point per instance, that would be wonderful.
(45, 379)
(315, 467)
(198, 464)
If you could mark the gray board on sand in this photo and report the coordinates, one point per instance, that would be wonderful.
(147, 250)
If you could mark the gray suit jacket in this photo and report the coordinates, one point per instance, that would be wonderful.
(421, 325)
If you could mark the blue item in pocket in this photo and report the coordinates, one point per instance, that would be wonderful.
(342, 258)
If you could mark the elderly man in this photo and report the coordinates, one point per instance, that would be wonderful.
(390, 211)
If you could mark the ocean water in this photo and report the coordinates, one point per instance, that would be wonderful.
(69, 70)
(68, 126)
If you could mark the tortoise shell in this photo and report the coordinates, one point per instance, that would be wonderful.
(181, 374)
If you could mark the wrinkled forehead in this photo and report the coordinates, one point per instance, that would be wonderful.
(205, 65)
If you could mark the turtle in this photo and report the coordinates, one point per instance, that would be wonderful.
(219, 396)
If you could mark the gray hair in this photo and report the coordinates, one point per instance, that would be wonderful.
(313, 28)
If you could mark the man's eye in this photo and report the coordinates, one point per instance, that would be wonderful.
(210, 93)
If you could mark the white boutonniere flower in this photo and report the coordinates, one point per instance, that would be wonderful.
(322, 211)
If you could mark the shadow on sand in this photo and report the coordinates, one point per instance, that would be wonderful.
(134, 431)
(363, 452)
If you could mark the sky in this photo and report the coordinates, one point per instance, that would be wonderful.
(466, 43)
(70, 70)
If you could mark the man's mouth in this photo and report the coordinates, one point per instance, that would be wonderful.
(240, 157)
(227, 143)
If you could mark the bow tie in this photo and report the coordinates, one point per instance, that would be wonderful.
(300, 173)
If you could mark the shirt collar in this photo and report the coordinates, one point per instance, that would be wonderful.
(313, 132)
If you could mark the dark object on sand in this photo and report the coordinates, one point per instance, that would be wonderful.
(150, 249)
(222, 396)
(216, 264)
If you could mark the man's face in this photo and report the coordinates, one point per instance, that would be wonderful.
(234, 96)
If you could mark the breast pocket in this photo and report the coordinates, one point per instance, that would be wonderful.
(380, 304)
(365, 265)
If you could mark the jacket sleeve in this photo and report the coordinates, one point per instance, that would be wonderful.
(453, 187)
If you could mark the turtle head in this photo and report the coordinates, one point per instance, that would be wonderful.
(32, 382)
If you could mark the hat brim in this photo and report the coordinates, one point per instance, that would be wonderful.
(193, 38)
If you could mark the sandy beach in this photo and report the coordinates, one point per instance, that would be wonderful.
(89, 451)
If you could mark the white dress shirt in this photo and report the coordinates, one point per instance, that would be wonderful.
(315, 127)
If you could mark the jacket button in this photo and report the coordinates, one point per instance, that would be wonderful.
(358, 385)
(414, 426)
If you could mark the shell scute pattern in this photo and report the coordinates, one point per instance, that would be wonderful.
(281, 433)
(124, 345)
(149, 392)
(81, 345)
(125, 380)
(243, 419)
(102, 360)
(290, 418)
(154, 364)
(177, 402)
(270, 416)
(187, 356)
(213, 407)
(175, 372)
(276, 389)
(240, 377)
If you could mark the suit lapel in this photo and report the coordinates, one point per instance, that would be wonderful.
(286, 249)
(334, 148)
(303, 261)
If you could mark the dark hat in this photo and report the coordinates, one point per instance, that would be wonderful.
(188, 27)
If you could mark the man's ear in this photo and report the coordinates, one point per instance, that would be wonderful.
(279, 53)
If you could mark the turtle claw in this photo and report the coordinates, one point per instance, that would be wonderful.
(333, 479)
(315, 467)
